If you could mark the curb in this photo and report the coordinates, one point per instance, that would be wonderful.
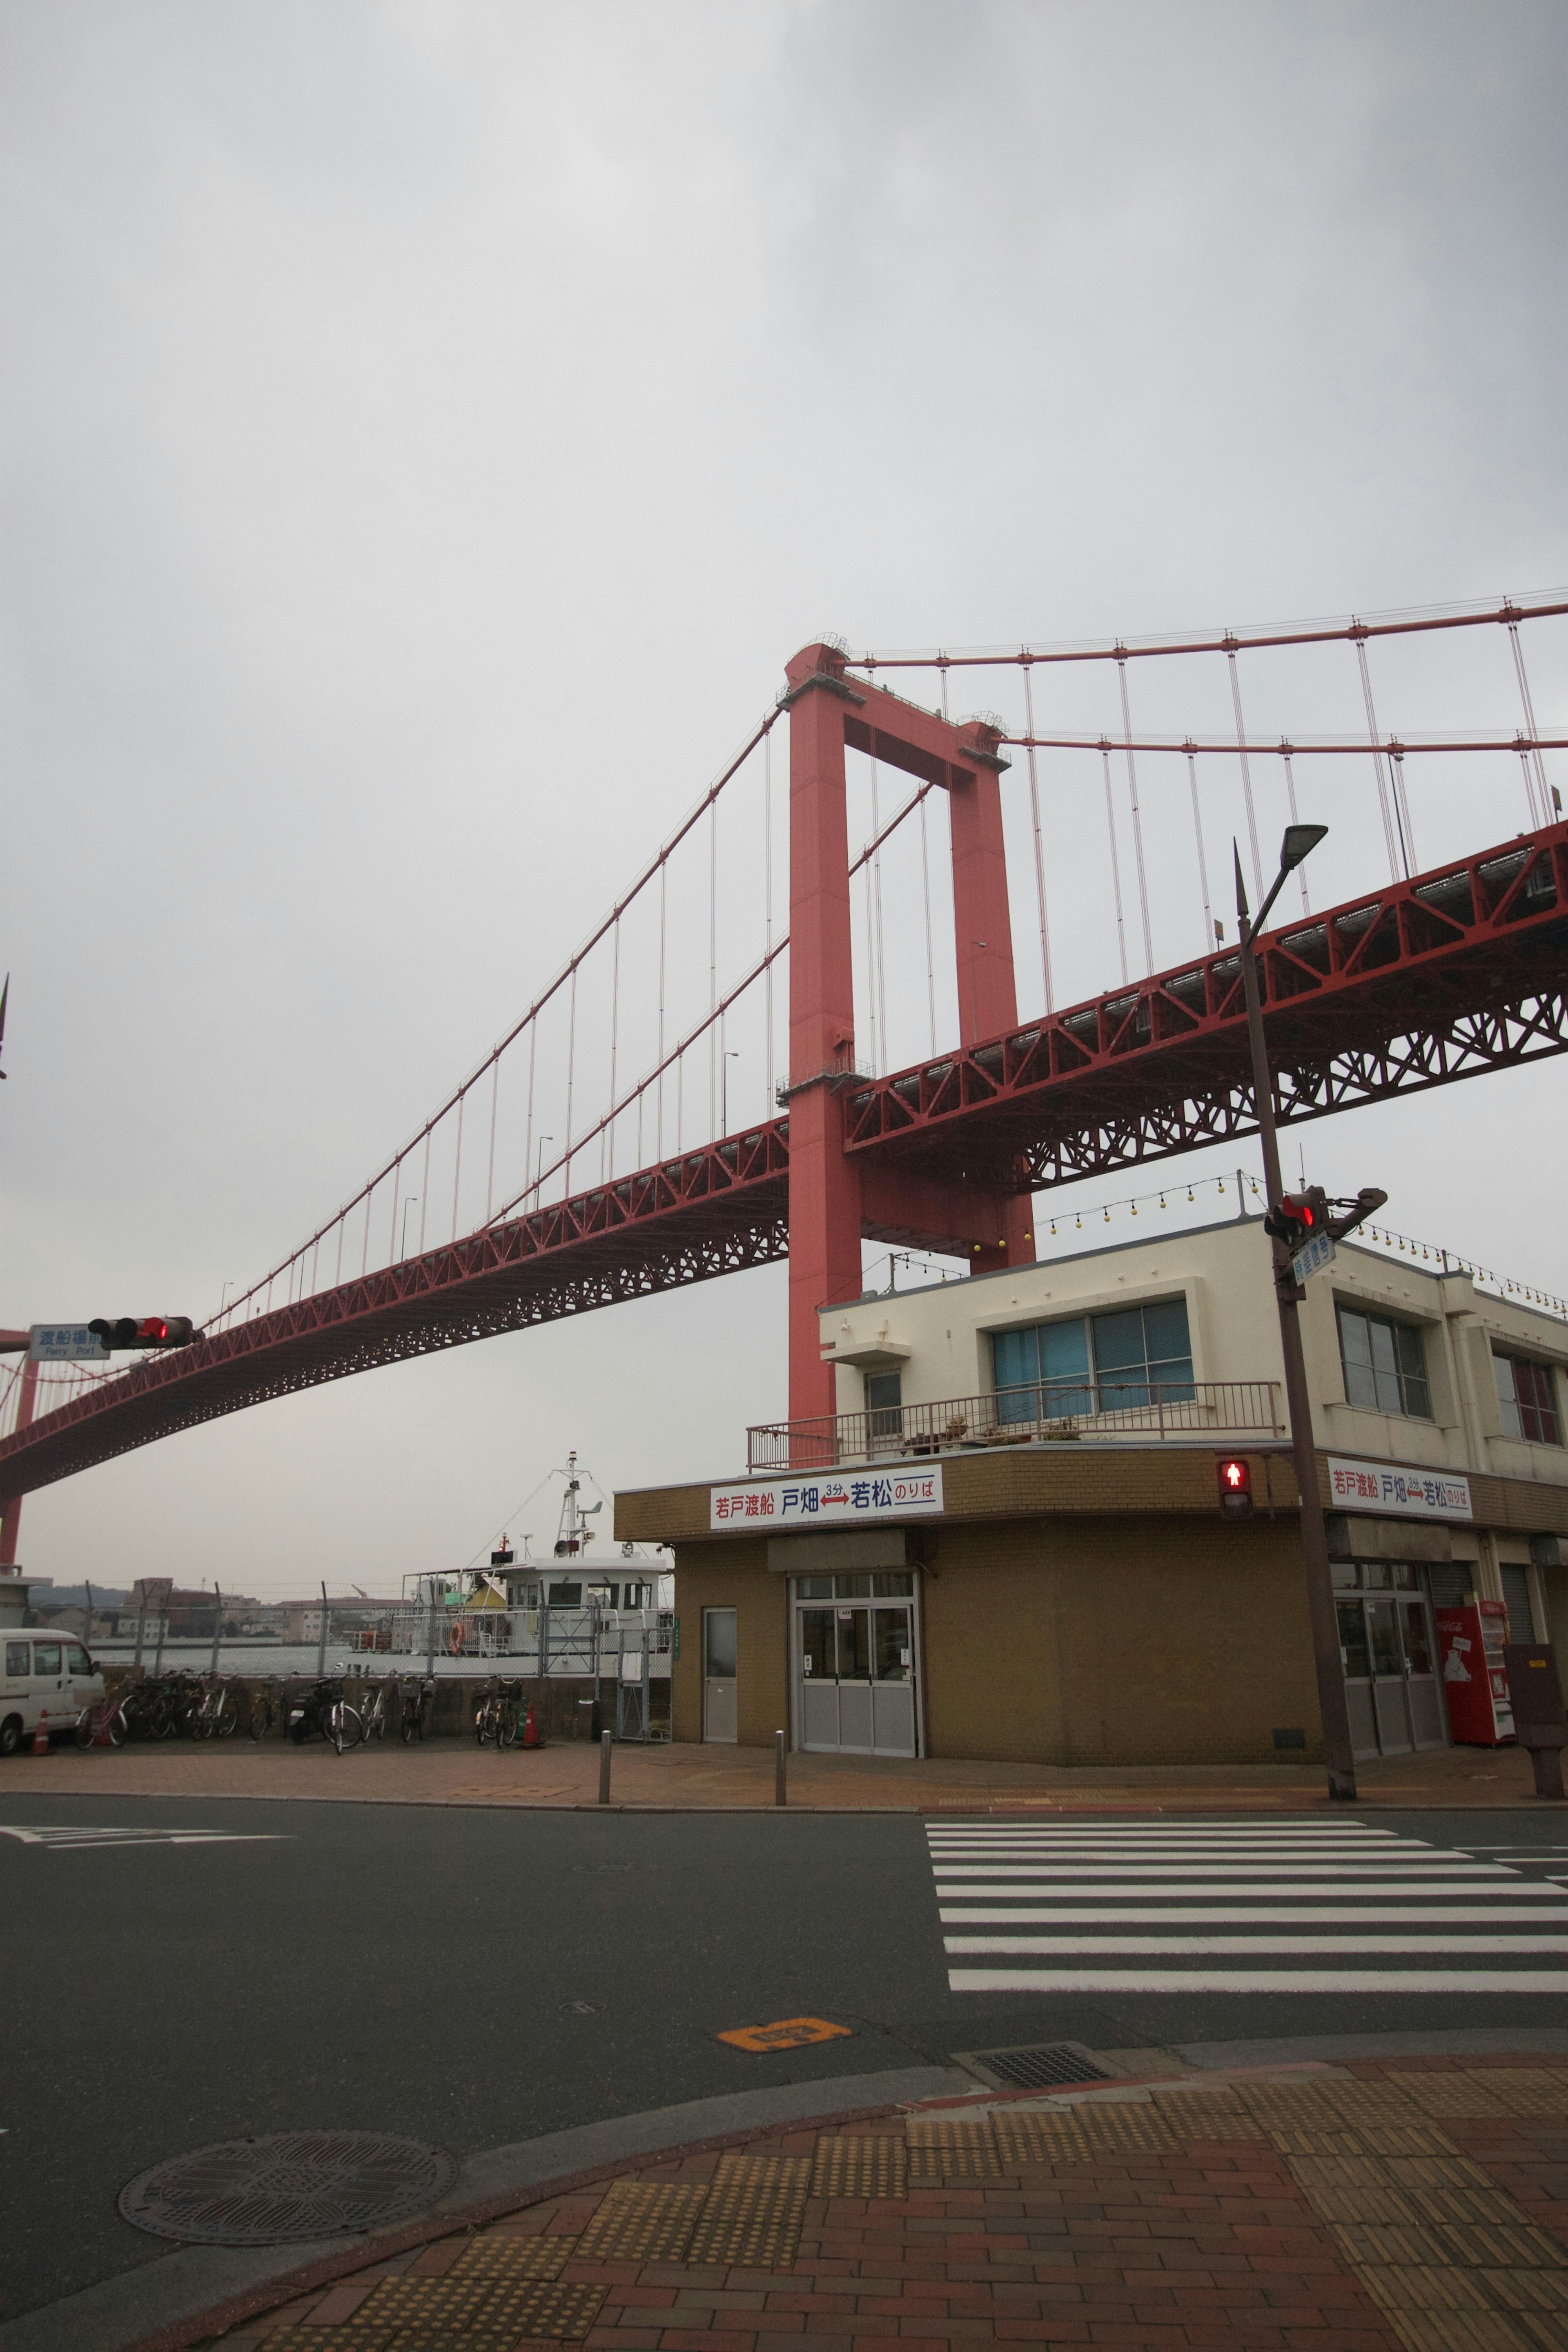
(1026, 1809)
(193, 2292)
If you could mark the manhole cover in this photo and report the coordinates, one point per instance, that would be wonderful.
(288, 2185)
(1043, 2066)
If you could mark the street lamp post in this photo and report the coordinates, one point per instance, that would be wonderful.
(1300, 841)
(733, 1055)
(539, 1172)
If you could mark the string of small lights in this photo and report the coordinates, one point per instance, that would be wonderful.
(1239, 1182)
(1449, 1262)
(1248, 1189)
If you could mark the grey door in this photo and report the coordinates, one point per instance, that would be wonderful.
(718, 1674)
(1388, 1678)
(856, 1680)
(1357, 1661)
(1423, 1690)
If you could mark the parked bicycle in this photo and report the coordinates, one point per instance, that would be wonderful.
(373, 1714)
(418, 1708)
(323, 1710)
(497, 1715)
(105, 1714)
(150, 1709)
(217, 1716)
(263, 1712)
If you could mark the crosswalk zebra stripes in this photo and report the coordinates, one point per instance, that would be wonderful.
(1237, 1906)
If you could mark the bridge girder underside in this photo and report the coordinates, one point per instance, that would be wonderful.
(1440, 979)
(1435, 979)
(715, 1212)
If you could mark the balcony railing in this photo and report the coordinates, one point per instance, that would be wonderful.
(1012, 1416)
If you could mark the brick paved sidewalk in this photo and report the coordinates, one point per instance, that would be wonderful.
(1420, 2204)
(455, 1772)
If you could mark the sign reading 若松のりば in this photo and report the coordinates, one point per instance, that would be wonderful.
(1412, 1494)
(825, 1499)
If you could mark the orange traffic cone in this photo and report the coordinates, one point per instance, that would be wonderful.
(531, 1738)
(41, 1738)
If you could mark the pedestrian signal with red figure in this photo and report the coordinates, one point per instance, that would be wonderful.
(1234, 1486)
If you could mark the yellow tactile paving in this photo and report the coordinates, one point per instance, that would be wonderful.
(1453, 2094)
(1523, 2090)
(502, 2253)
(1390, 2172)
(1125, 2127)
(347, 2339)
(642, 2221)
(939, 2146)
(1049, 2136)
(753, 2213)
(860, 2164)
(1199, 2113)
(1424, 2287)
(1458, 2331)
(1365, 2139)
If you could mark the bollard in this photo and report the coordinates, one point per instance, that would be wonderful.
(603, 1767)
(779, 1796)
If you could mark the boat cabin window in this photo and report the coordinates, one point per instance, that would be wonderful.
(565, 1596)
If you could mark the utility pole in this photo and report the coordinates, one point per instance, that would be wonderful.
(1299, 843)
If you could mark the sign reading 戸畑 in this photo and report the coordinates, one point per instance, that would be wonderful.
(825, 1499)
(1409, 1493)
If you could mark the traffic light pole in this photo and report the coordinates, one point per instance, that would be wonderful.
(1337, 1754)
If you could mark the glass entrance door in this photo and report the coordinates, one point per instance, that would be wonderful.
(855, 1664)
(1390, 1660)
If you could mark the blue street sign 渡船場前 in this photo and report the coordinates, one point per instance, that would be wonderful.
(65, 1343)
(1312, 1256)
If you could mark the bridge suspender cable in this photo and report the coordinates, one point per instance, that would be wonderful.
(1115, 864)
(1544, 816)
(1378, 770)
(1246, 771)
(1137, 821)
(1039, 865)
(1209, 937)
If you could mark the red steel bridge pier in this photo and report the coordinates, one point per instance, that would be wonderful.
(837, 1198)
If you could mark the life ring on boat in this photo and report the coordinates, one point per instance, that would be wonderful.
(456, 1638)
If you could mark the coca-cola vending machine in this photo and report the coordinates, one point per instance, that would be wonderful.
(1475, 1683)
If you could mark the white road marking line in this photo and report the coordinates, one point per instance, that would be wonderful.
(957, 1891)
(73, 1840)
(1280, 1980)
(1276, 1915)
(1452, 1945)
(1411, 1865)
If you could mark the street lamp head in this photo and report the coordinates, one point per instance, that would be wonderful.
(1300, 841)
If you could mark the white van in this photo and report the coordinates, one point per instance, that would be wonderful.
(49, 1678)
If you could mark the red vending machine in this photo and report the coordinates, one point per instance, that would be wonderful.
(1474, 1680)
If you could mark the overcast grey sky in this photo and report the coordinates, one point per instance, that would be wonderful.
(428, 428)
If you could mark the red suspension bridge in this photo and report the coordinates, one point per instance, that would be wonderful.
(1439, 972)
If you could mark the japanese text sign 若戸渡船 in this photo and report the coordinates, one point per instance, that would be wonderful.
(819, 1499)
(1408, 1494)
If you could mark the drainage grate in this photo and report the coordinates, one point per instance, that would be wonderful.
(1041, 2066)
(285, 2187)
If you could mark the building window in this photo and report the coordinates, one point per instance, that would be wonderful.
(1525, 1394)
(1095, 1363)
(1385, 1365)
(884, 1405)
(1516, 1601)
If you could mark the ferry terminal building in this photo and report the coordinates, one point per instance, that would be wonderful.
(1007, 1544)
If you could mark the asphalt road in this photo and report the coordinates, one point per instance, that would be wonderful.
(474, 1977)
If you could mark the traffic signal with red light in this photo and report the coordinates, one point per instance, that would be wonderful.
(1234, 1486)
(1299, 1216)
(151, 1331)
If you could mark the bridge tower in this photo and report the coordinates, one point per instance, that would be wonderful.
(835, 1199)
